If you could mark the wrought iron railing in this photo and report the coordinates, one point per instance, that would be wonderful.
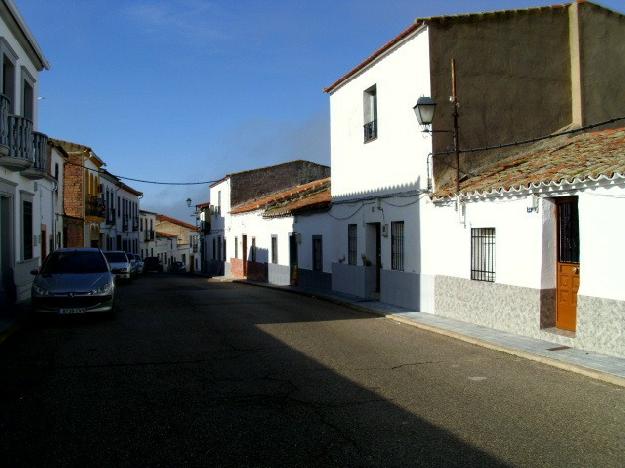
(110, 219)
(371, 130)
(135, 224)
(125, 224)
(94, 206)
(149, 236)
(5, 104)
(20, 138)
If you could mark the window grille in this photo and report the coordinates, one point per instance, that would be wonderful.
(397, 245)
(274, 249)
(352, 243)
(370, 111)
(483, 254)
(568, 227)
(253, 250)
(27, 230)
(317, 252)
(214, 250)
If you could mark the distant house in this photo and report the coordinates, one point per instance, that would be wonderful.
(24, 158)
(147, 239)
(120, 229)
(186, 236)
(219, 243)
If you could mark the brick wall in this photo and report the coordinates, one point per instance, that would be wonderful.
(251, 184)
(75, 232)
(73, 187)
(236, 267)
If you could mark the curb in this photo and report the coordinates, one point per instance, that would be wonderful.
(585, 371)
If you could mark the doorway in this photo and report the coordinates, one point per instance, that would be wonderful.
(293, 258)
(6, 261)
(244, 239)
(568, 265)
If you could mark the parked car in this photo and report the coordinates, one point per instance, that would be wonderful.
(178, 267)
(74, 281)
(120, 264)
(138, 264)
(152, 264)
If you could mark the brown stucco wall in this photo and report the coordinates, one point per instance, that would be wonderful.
(252, 184)
(513, 78)
(603, 63)
(73, 187)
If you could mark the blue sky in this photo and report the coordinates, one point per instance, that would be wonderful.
(186, 90)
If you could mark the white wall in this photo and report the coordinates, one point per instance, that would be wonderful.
(398, 157)
(254, 225)
(316, 224)
(602, 234)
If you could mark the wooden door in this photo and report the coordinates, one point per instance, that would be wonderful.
(293, 258)
(568, 266)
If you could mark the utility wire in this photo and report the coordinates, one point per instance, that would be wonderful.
(533, 140)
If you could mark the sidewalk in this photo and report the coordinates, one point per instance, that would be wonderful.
(598, 366)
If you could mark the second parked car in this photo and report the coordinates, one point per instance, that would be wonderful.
(152, 264)
(120, 264)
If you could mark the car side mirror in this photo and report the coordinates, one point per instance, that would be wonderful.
(34, 272)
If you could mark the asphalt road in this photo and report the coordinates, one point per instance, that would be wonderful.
(194, 372)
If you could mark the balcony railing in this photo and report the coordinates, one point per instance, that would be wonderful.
(94, 206)
(125, 224)
(135, 225)
(41, 160)
(5, 104)
(371, 130)
(16, 139)
(149, 236)
(205, 227)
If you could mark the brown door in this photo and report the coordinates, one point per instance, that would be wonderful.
(568, 264)
(244, 255)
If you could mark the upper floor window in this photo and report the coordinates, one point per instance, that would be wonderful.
(9, 58)
(219, 202)
(274, 249)
(370, 111)
(317, 253)
(56, 171)
(28, 100)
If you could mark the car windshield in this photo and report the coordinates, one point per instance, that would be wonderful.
(116, 257)
(74, 262)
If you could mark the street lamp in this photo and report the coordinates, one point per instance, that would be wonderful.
(424, 109)
(189, 202)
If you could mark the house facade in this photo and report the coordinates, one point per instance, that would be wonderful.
(526, 253)
(219, 242)
(186, 247)
(147, 236)
(120, 229)
(24, 159)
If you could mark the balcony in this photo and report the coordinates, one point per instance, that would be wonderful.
(205, 227)
(94, 206)
(135, 224)
(125, 224)
(41, 166)
(371, 130)
(149, 236)
(16, 139)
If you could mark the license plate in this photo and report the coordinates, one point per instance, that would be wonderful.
(72, 311)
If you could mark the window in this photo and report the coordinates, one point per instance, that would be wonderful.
(9, 57)
(119, 207)
(568, 229)
(253, 250)
(214, 250)
(27, 230)
(274, 249)
(28, 102)
(397, 246)
(370, 111)
(352, 243)
(219, 248)
(317, 246)
(483, 254)
(236, 247)
(224, 251)
(56, 171)
(219, 202)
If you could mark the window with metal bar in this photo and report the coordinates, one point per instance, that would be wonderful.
(483, 254)
(397, 245)
(568, 227)
(274, 249)
(253, 250)
(317, 247)
(352, 243)
(27, 230)
(236, 247)
(370, 111)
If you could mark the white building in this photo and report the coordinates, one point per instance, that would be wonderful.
(496, 253)
(23, 157)
(220, 243)
(120, 229)
(166, 249)
(147, 238)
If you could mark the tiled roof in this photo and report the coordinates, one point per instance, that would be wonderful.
(417, 23)
(169, 219)
(299, 196)
(164, 234)
(314, 201)
(565, 159)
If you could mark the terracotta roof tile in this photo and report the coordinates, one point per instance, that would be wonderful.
(162, 217)
(288, 196)
(562, 159)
